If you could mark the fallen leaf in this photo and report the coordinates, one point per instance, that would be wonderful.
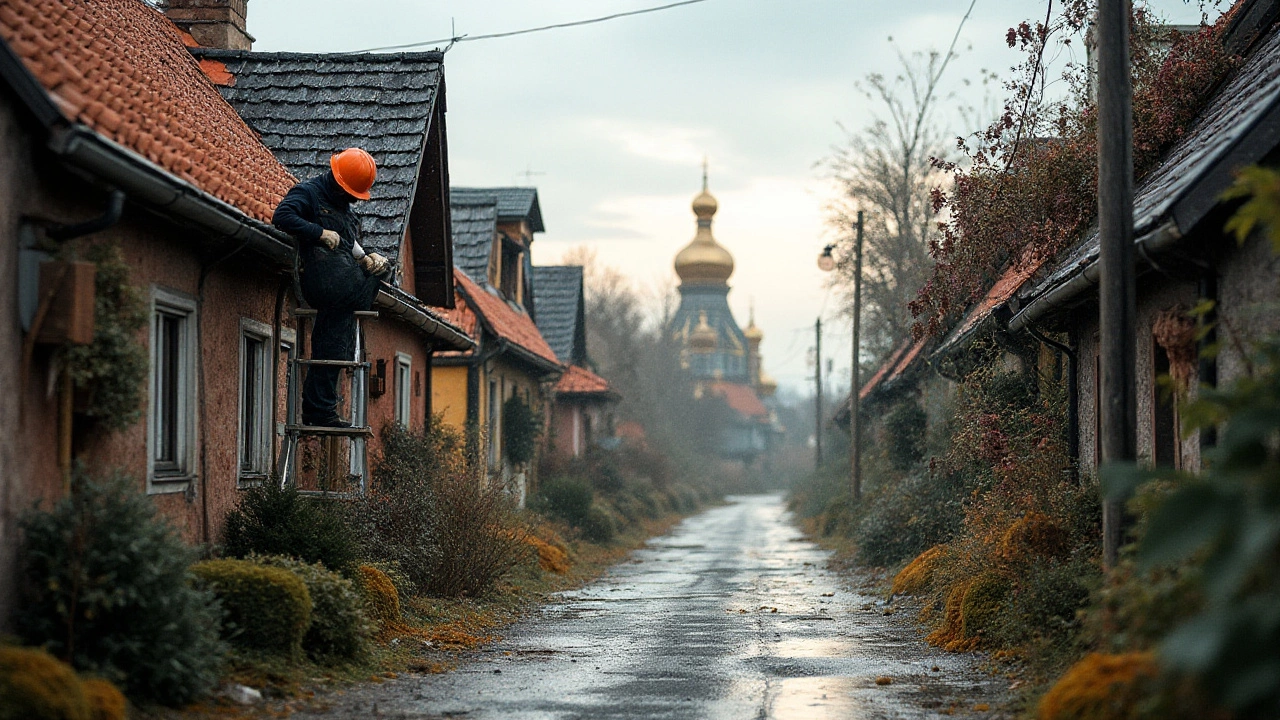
(981, 707)
(884, 680)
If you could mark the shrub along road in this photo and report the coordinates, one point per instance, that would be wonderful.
(731, 615)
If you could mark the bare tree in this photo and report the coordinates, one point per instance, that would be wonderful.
(886, 169)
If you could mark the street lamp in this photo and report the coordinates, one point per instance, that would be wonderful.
(827, 263)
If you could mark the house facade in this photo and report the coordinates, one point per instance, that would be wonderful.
(1185, 260)
(492, 236)
(582, 414)
(127, 176)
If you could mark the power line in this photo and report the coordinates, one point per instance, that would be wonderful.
(513, 33)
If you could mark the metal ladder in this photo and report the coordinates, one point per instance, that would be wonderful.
(358, 433)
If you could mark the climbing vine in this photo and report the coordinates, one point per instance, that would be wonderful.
(521, 430)
(112, 369)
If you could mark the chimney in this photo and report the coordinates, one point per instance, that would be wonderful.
(213, 23)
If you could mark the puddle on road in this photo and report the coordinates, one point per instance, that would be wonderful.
(813, 698)
(810, 647)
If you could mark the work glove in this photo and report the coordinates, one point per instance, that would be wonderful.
(329, 239)
(373, 263)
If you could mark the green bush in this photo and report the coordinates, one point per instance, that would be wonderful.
(598, 526)
(521, 430)
(106, 586)
(904, 433)
(268, 608)
(271, 520)
(340, 629)
(901, 520)
(567, 498)
(36, 686)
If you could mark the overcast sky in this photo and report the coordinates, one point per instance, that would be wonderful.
(611, 121)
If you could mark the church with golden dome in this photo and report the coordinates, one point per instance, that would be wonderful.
(722, 357)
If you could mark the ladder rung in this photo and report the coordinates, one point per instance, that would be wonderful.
(331, 363)
(305, 312)
(366, 314)
(323, 430)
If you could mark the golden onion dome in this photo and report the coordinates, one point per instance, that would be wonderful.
(768, 386)
(704, 338)
(704, 261)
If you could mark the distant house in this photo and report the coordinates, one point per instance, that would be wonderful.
(492, 235)
(1184, 259)
(582, 415)
(305, 107)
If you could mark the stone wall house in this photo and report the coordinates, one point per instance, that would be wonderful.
(582, 412)
(492, 236)
(1183, 258)
(106, 117)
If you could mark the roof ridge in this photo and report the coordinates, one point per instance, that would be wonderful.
(220, 53)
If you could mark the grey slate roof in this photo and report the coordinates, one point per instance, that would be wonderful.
(1239, 106)
(514, 203)
(557, 290)
(308, 106)
(475, 224)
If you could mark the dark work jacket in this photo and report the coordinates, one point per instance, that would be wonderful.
(330, 278)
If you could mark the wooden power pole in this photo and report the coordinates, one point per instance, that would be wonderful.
(1118, 306)
(817, 394)
(855, 373)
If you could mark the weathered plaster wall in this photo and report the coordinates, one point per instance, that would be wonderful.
(1248, 303)
(449, 394)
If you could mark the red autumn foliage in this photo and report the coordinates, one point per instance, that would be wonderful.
(1029, 185)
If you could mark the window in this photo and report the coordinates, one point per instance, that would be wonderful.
(404, 389)
(510, 271)
(1164, 420)
(171, 412)
(255, 400)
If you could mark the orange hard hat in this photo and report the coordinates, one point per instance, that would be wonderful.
(355, 171)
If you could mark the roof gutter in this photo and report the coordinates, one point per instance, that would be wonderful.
(390, 301)
(153, 187)
(1155, 242)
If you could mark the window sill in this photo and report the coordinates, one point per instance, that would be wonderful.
(169, 484)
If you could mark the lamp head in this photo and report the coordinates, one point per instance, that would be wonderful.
(827, 261)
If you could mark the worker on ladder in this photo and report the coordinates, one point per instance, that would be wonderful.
(338, 277)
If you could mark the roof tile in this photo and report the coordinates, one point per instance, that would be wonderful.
(581, 381)
(122, 68)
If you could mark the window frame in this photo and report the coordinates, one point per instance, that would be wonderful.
(404, 389)
(176, 475)
(261, 442)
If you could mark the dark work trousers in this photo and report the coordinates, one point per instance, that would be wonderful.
(335, 285)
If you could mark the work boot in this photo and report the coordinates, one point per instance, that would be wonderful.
(328, 421)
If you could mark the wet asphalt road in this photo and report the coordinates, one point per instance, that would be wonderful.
(687, 628)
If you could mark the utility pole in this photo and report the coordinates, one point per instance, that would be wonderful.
(855, 384)
(1117, 303)
(817, 394)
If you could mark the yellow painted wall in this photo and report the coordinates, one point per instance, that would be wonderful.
(449, 395)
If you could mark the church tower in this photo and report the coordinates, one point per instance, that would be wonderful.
(714, 348)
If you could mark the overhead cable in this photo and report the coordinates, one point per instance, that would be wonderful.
(526, 31)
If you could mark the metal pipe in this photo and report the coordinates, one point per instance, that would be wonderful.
(1117, 293)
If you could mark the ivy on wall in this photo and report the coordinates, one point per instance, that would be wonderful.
(521, 430)
(111, 370)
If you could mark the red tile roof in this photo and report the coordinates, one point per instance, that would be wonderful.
(581, 381)
(885, 369)
(122, 68)
(741, 398)
(476, 306)
(1005, 287)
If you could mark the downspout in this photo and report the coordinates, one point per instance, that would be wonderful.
(205, 270)
(66, 395)
(276, 322)
(473, 397)
(1073, 394)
